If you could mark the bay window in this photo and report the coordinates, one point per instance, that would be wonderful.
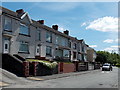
(24, 47)
(66, 53)
(48, 51)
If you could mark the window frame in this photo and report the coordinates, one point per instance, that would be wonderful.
(9, 30)
(49, 54)
(23, 42)
(74, 46)
(49, 33)
(66, 52)
(25, 26)
(38, 35)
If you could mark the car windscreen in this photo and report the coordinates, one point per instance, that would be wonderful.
(106, 65)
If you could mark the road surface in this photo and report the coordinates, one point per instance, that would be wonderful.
(93, 79)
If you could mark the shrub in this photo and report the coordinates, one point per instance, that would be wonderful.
(118, 64)
(45, 63)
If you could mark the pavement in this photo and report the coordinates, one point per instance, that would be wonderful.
(56, 76)
(7, 78)
(84, 79)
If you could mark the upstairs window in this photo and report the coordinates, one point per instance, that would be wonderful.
(48, 37)
(38, 35)
(74, 46)
(57, 40)
(24, 47)
(63, 42)
(83, 50)
(24, 29)
(8, 24)
(69, 44)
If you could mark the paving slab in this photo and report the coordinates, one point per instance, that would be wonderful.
(55, 76)
(3, 84)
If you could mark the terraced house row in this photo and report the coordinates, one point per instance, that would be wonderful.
(23, 37)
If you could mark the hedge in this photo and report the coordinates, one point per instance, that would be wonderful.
(45, 63)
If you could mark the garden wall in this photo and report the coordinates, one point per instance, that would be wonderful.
(66, 67)
(38, 69)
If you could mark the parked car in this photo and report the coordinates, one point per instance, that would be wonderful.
(107, 67)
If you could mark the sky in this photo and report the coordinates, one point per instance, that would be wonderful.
(95, 22)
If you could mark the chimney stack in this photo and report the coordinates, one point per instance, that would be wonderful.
(41, 21)
(66, 32)
(55, 27)
(20, 11)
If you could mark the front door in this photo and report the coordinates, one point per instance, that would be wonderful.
(38, 50)
(6, 46)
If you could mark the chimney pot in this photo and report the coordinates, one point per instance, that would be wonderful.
(55, 27)
(20, 11)
(66, 32)
(41, 21)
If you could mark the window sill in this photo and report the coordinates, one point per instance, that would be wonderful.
(48, 42)
(7, 30)
(49, 55)
(24, 35)
(24, 52)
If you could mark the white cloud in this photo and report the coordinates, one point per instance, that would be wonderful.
(108, 49)
(61, 29)
(93, 46)
(105, 24)
(83, 24)
(111, 41)
(112, 49)
(108, 41)
(115, 46)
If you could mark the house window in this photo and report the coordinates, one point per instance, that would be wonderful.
(57, 40)
(74, 46)
(8, 24)
(64, 41)
(83, 49)
(74, 55)
(48, 51)
(82, 57)
(65, 53)
(24, 29)
(39, 35)
(48, 37)
(59, 53)
(69, 44)
(24, 47)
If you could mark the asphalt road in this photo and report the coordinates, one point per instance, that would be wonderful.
(93, 79)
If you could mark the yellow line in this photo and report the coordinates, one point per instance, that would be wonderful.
(34, 78)
(2, 84)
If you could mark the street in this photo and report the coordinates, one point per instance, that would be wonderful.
(93, 79)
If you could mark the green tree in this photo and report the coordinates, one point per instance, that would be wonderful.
(106, 57)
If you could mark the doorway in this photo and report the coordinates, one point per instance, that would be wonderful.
(38, 50)
(6, 46)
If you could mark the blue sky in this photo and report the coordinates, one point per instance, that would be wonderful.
(95, 22)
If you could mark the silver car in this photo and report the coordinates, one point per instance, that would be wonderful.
(107, 67)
